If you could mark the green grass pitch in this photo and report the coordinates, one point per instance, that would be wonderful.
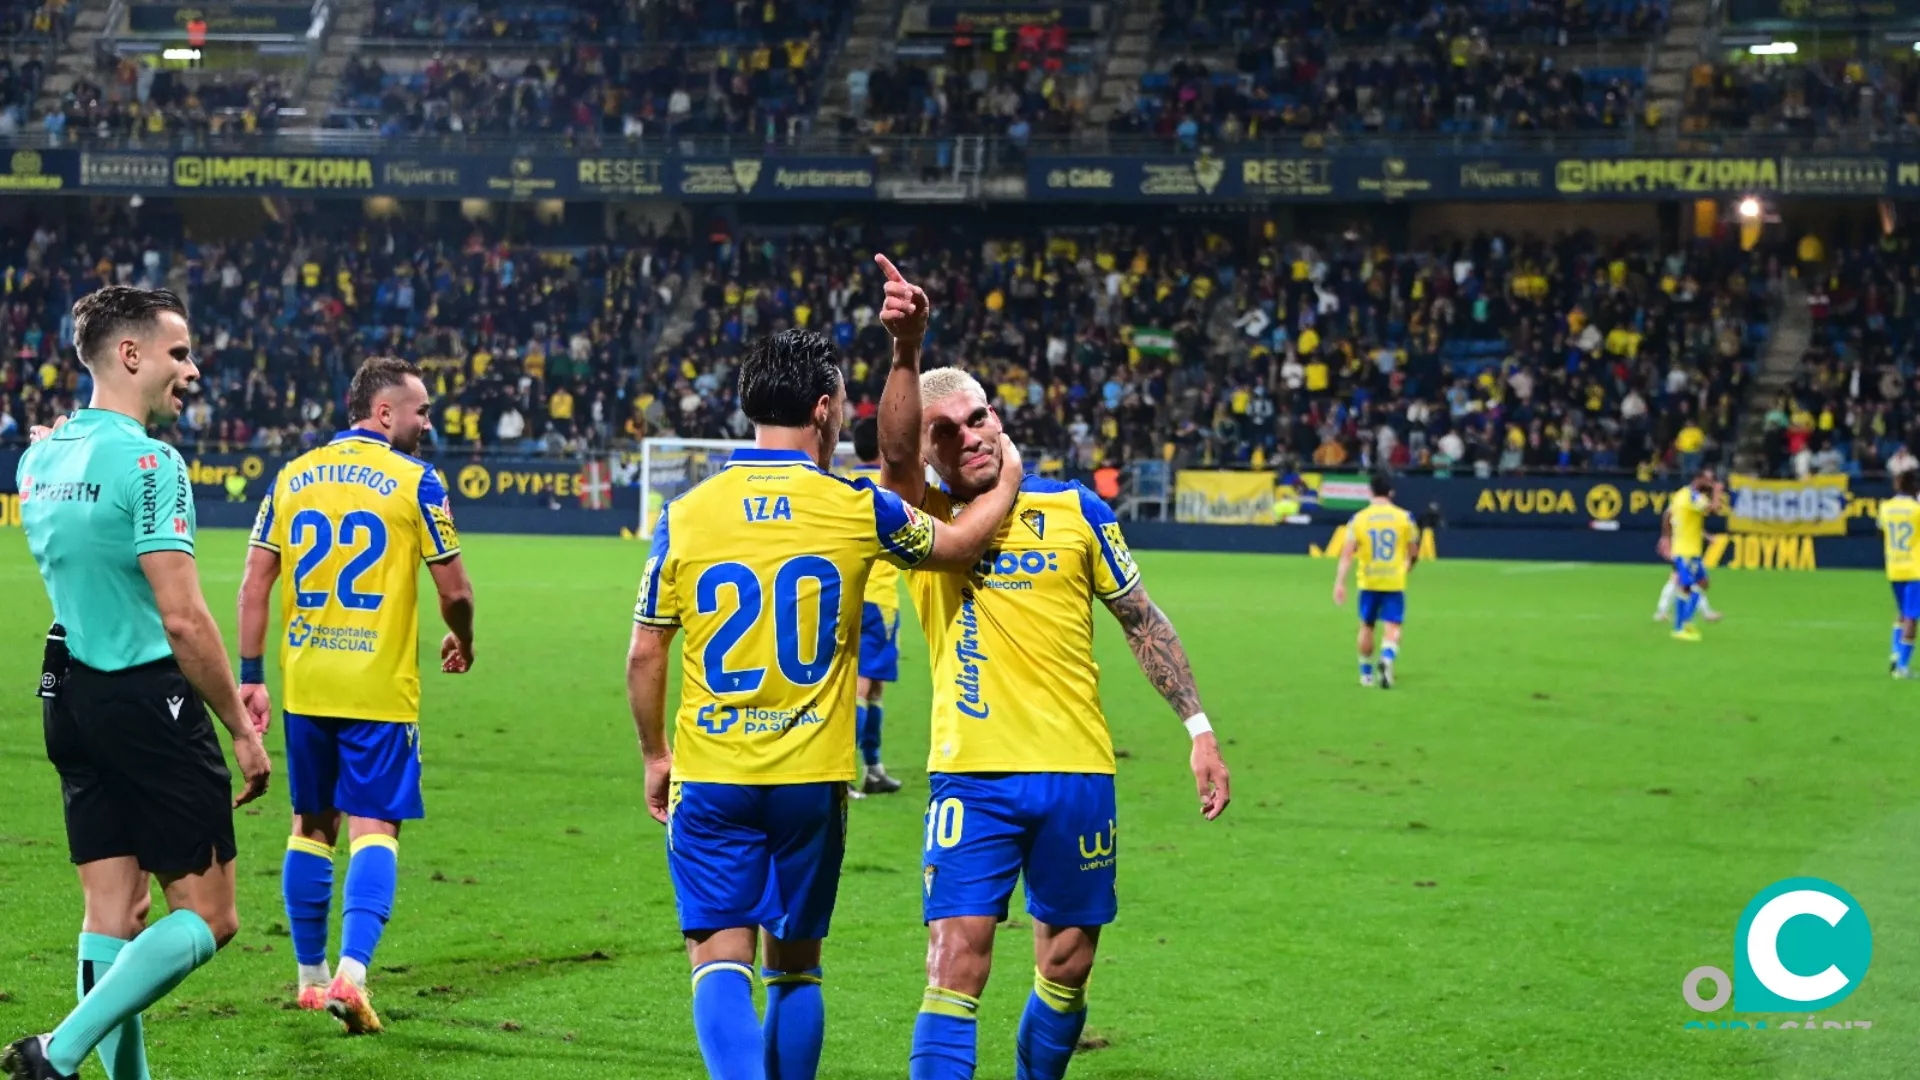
(1501, 868)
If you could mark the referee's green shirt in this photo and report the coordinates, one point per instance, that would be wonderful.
(94, 497)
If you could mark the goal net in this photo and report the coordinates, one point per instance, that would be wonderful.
(669, 466)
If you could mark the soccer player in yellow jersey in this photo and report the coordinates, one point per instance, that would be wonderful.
(1899, 516)
(1683, 538)
(356, 517)
(764, 565)
(879, 633)
(1386, 542)
(1022, 763)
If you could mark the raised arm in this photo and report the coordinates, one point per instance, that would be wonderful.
(1163, 660)
(904, 313)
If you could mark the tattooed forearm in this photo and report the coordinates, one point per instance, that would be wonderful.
(1157, 647)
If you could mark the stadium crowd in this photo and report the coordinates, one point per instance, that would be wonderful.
(162, 105)
(585, 91)
(1854, 405)
(282, 321)
(1809, 98)
(1103, 346)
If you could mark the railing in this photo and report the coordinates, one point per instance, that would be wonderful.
(1000, 151)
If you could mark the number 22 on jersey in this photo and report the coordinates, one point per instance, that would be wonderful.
(313, 536)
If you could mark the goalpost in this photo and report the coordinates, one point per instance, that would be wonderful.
(670, 465)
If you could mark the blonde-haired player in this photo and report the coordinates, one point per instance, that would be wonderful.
(1898, 519)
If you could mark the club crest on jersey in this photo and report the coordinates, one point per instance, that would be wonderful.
(1036, 520)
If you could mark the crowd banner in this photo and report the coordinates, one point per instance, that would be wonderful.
(233, 20)
(591, 176)
(1223, 498)
(1814, 506)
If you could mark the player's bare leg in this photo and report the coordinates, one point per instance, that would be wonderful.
(1364, 644)
(1389, 653)
(1056, 1011)
(307, 885)
(118, 896)
(375, 846)
(959, 960)
(1706, 607)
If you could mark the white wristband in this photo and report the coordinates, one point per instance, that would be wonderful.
(1197, 725)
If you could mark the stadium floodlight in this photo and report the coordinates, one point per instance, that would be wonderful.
(1750, 208)
(1774, 48)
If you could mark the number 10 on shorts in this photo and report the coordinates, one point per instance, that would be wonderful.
(945, 819)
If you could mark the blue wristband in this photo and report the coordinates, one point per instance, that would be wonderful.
(253, 670)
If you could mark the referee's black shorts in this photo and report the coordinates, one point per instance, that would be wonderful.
(140, 769)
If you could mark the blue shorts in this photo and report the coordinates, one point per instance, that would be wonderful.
(1055, 829)
(1906, 597)
(366, 768)
(1690, 570)
(1382, 606)
(879, 643)
(749, 855)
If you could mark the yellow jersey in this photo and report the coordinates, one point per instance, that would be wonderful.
(356, 517)
(1688, 512)
(1898, 518)
(1015, 685)
(883, 584)
(1385, 538)
(763, 564)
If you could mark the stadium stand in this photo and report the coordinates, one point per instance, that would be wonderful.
(1101, 346)
(1852, 405)
(1808, 98)
(284, 320)
(1244, 70)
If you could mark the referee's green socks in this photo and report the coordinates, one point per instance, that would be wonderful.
(124, 1050)
(372, 876)
(146, 970)
(945, 1036)
(1049, 1030)
(796, 1023)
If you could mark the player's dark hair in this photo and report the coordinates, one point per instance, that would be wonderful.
(1907, 483)
(1381, 485)
(105, 313)
(377, 374)
(866, 440)
(783, 375)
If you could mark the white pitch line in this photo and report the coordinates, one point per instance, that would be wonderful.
(1543, 568)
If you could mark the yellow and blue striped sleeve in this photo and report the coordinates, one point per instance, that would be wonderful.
(266, 522)
(439, 541)
(905, 534)
(655, 606)
(1114, 573)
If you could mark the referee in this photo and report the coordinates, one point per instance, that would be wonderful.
(109, 516)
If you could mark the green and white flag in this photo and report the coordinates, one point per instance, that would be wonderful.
(1153, 340)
